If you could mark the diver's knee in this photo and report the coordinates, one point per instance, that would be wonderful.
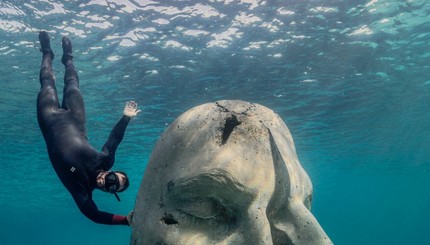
(47, 89)
(72, 87)
(46, 73)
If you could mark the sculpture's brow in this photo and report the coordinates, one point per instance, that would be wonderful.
(219, 179)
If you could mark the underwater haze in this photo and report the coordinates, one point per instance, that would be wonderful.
(349, 77)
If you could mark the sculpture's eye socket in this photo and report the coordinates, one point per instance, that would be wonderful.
(207, 209)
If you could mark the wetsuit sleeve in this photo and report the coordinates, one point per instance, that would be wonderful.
(115, 138)
(90, 210)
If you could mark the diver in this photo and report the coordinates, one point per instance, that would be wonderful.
(80, 167)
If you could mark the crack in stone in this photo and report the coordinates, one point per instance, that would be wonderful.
(230, 124)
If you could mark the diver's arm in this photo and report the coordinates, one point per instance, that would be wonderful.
(115, 138)
(90, 210)
(87, 206)
(117, 134)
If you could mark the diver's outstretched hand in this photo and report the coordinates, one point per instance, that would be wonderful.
(130, 109)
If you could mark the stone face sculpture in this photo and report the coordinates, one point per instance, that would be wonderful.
(225, 173)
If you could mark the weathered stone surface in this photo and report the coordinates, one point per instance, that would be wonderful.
(226, 173)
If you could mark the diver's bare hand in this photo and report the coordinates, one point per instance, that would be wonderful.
(130, 109)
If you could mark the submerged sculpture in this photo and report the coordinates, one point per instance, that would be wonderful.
(225, 173)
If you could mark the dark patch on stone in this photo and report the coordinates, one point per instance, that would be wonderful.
(170, 186)
(231, 123)
(168, 219)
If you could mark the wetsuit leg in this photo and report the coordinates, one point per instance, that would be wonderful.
(47, 100)
(72, 98)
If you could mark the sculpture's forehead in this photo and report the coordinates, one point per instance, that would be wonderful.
(228, 139)
(231, 164)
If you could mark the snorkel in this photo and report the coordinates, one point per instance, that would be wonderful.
(112, 184)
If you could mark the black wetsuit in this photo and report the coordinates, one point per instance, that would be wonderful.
(75, 161)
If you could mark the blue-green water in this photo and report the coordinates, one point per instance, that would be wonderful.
(350, 78)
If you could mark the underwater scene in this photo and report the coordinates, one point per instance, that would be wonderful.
(349, 78)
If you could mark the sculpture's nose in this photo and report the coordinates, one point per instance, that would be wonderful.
(299, 227)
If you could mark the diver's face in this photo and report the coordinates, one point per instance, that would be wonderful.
(118, 178)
